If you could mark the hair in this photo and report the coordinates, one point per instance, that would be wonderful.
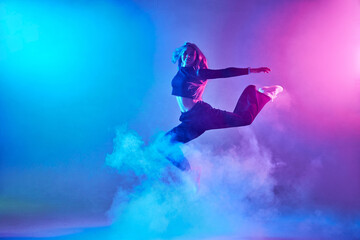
(200, 63)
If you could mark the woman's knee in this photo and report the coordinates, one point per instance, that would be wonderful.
(251, 87)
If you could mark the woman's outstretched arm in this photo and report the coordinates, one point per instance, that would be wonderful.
(229, 72)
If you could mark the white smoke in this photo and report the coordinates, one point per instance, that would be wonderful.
(235, 187)
(235, 197)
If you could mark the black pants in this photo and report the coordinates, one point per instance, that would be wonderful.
(202, 117)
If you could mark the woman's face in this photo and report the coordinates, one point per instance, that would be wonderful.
(188, 57)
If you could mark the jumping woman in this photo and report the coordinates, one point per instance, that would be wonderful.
(198, 116)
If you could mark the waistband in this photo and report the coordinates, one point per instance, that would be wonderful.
(198, 107)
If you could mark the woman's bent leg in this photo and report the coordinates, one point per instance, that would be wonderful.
(183, 133)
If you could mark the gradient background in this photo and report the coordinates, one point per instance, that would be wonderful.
(72, 71)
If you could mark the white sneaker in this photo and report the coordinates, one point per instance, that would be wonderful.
(271, 91)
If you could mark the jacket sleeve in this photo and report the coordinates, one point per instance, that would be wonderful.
(222, 73)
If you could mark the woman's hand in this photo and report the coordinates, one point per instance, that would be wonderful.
(259, 70)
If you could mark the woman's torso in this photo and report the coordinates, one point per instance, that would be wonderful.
(185, 87)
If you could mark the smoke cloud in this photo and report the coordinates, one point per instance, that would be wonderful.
(236, 195)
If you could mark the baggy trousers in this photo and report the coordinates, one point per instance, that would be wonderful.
(202, 117)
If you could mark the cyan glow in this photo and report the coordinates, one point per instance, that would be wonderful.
(72, 71)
